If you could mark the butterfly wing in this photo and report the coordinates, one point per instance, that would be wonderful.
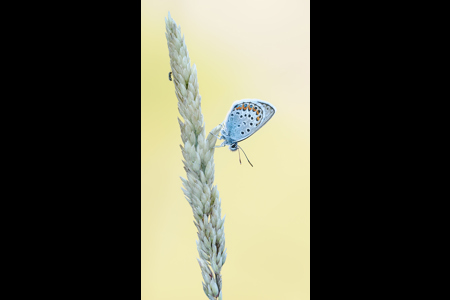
(246, 117)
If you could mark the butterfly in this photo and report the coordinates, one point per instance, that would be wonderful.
(245, 117)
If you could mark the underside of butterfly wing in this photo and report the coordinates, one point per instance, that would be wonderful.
(246, 117)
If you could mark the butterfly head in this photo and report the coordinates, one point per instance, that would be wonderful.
(228, 141)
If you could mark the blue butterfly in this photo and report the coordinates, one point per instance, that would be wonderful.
(245, 117)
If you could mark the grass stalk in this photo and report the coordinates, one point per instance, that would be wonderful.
(198, 154)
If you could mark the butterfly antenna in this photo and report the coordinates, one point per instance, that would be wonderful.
(245, 156)
(239, 156)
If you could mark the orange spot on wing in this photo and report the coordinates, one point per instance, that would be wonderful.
(257, 112)
(257, 119)
(245, 108)
(254, 108)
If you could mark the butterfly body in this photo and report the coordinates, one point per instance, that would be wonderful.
(245, 117)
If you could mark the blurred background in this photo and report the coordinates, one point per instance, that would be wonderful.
(242, 49)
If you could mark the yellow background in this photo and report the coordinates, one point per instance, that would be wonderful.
(242, 49)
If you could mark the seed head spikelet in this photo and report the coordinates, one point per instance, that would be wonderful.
(198, 155)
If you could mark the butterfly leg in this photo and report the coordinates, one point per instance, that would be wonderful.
(221, 137)
(215, 135)
(221, 145)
